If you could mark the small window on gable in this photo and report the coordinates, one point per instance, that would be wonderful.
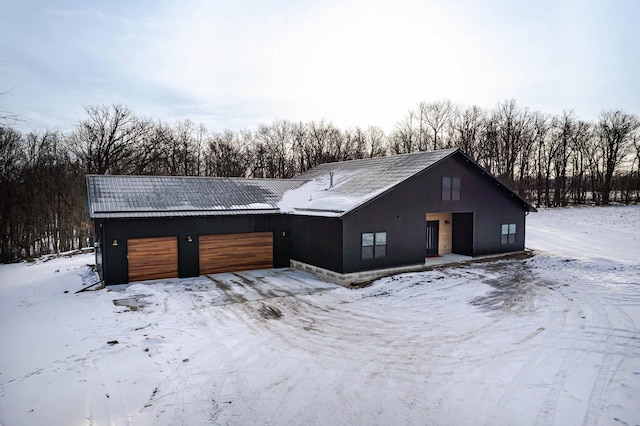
(451, 188)
(508, 234)
(374, 245)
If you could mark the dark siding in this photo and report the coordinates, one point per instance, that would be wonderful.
(317, 241)
(399, 215)
(115, 257)
(334, 243)
(483, 207)
(491, 204)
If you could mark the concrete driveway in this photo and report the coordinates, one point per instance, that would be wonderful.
(237, 287)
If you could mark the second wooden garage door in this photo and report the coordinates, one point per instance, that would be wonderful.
(152, 258)
(235, 252)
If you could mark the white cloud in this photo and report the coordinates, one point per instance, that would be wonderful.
(353, 62)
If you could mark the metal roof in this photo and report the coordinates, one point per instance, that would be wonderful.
(330, 189)
(337, 188)
(111, 196)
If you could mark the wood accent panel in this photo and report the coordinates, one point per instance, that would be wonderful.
(445, 235)
(235, 252)
(152, 258)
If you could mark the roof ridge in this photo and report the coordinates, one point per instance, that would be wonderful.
(191, 177)
(404, 154)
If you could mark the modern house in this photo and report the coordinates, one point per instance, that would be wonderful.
(338, 219)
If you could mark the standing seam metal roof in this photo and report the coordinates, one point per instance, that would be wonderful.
(330, 189)
(164, 196)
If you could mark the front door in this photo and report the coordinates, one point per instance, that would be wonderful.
(433, 227)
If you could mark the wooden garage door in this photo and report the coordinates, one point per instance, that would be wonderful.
(152, 258)
(235, 252)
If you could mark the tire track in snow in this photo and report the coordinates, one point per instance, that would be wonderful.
(191, 393)
(601, 391)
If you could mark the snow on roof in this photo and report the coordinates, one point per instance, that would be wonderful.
(330, 189)
(162, 196)
(354, 182)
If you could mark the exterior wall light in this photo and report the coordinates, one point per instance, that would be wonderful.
(114, 243)
(189, 239)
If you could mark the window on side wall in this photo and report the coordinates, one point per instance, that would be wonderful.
(451, 188)
(508, 234)
(374, 245)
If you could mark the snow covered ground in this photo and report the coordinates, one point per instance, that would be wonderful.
(551, 339)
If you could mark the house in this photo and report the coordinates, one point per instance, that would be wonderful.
(339, 219)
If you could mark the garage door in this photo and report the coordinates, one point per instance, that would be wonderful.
(235, 252)
(152, 258)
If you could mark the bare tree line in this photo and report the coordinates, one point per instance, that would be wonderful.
(549, 160)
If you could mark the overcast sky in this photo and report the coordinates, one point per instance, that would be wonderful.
(236, 64)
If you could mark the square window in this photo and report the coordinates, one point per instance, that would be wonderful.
(451, 188)
(374, 245)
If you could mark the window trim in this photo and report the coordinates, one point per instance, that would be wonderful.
(371, 247)
(451, 188)
(508, 233)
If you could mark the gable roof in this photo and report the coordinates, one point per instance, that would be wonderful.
(111, 196)
(355, 182)
(330, 189)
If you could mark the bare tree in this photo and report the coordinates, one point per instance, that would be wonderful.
(562, 130)
(11, 155)
(579, 140)
(506, 133)
(272, 150)
(437, 116)
(375, 142)
(224, 155)
(636, 162)
(106, 141)
(405, 138)
(468, 134)
(615, 132)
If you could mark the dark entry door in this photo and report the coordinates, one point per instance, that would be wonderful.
(433, 227)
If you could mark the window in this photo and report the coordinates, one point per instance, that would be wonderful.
(374, 245)
(508, 234)
(451, 188)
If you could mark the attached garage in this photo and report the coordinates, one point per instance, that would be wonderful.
(235, 252)
(152, 258)
(322, 218)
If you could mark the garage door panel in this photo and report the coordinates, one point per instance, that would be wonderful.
(152, 258)
(235, 252)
